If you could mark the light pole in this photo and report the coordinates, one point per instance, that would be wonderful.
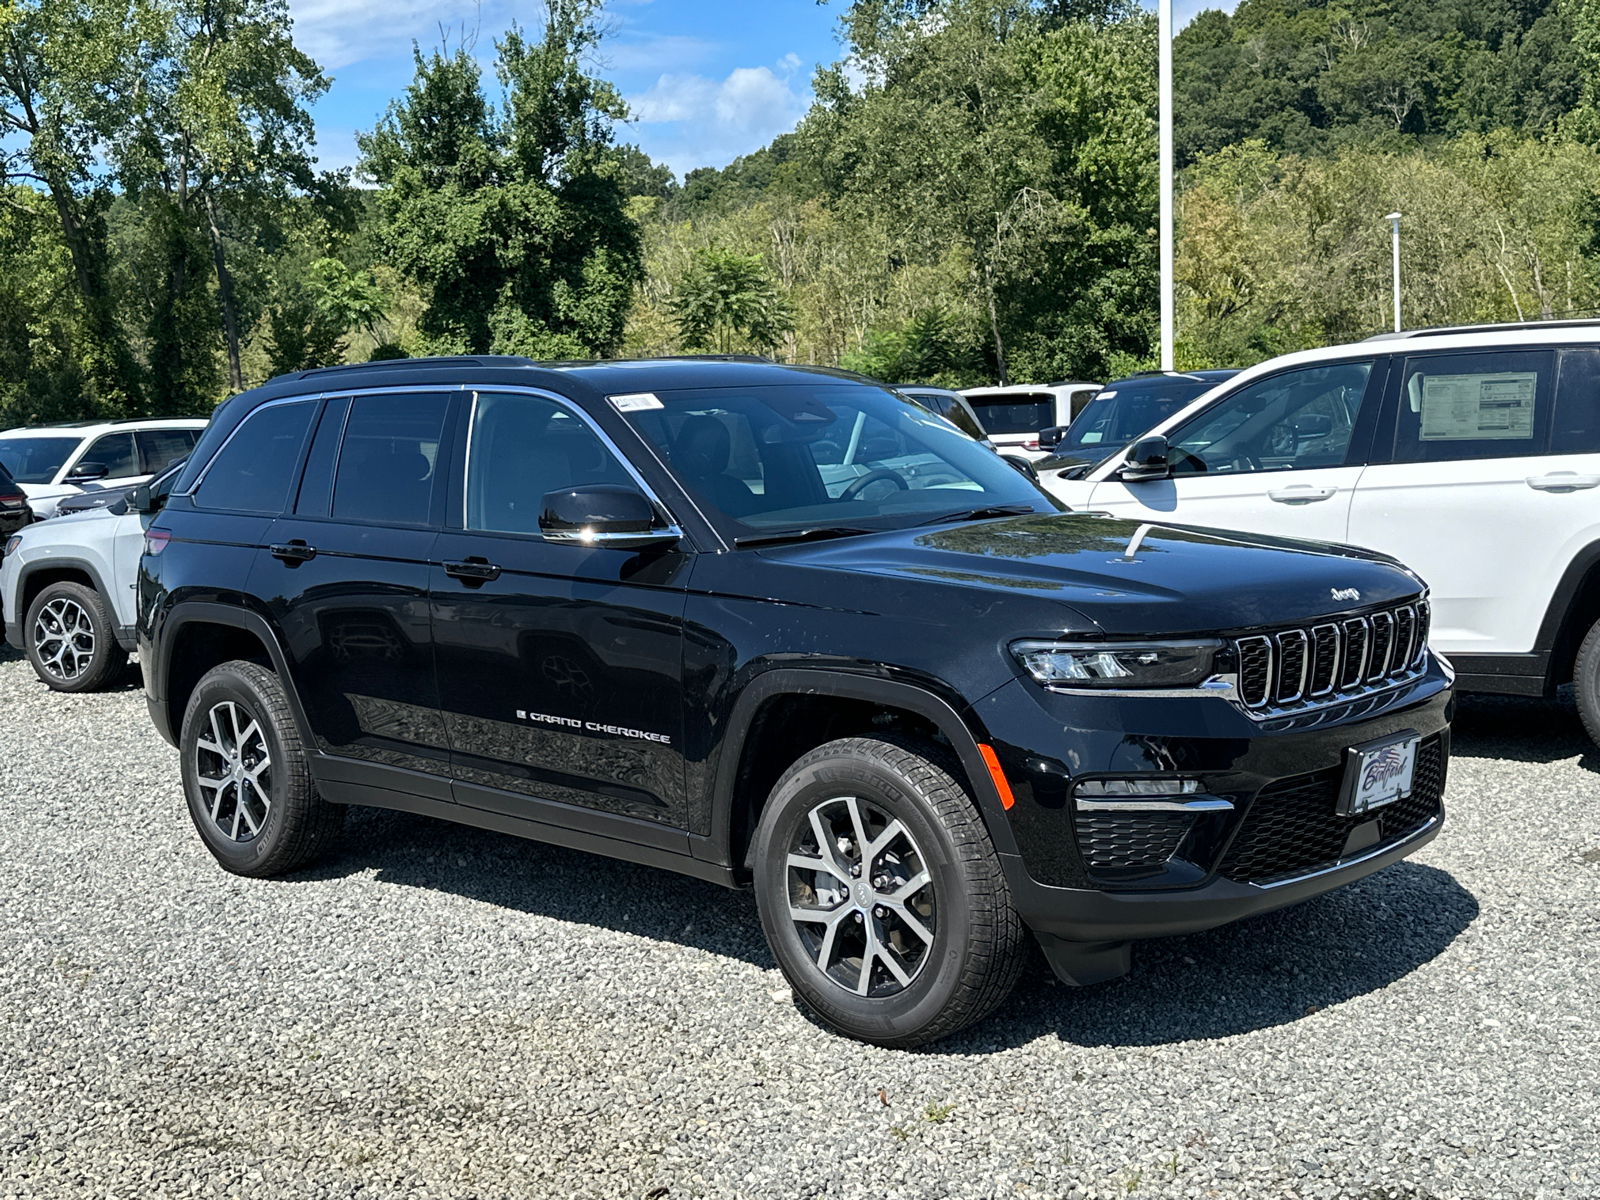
(1394, 224)
(1164, 117)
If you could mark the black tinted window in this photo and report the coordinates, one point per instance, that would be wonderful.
(253, 471)
(1577, 421)
(316, 485)
(522, 447)
(115, 452)
(1458, 406)
(1015, 412)
(386, 462)
(160, 447)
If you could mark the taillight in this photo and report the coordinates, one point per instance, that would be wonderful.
(155, 541)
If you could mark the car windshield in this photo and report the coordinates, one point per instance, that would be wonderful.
(836, 454)
(1122, 411)
(36, 459)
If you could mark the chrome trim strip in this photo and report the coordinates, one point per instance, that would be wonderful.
(309, 397)
(1267, 689)
(1338, 657)
(1433, 823)
(1376, 670)
(1278, 696)
(1191, 807)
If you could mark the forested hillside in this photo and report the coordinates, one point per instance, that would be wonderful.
(971, 197)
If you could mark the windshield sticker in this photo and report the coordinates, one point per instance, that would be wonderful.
(622, 731)
(636, 402)
(1472, 407)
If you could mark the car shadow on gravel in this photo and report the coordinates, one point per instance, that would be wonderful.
(1266, 971)
(1530, 730)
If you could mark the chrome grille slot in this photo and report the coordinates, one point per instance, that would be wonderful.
(1255, 670)
(1292, 656)
(1382, 646)
(1357, 639)
(1283, 670)
(1324, 658)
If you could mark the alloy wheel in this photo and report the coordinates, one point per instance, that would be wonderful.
(861, 897)
(63, 639)
(233, 764)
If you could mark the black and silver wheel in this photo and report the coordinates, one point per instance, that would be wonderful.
(1586, 682)
(881, 895)
(246, 777)
(71, 640)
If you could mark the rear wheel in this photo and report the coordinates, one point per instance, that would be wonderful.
(71, 638)
(246, 777)
(1586, 682)
(881, 895)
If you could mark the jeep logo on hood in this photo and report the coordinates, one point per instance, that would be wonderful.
(1345, 593)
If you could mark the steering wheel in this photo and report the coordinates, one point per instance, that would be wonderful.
(857, 485)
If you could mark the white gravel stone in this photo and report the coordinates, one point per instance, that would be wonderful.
(442, 1012)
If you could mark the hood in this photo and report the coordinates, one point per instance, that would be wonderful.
(1131, 578)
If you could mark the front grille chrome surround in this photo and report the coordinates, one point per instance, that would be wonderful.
(1288, 670)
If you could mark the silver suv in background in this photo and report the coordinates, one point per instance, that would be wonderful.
(67, 587)
(52, 462)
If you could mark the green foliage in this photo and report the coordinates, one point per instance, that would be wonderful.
(933, 346)
(513, 224)
(726, 299)
(310, 323)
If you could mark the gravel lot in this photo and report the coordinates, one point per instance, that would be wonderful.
(444, 1012)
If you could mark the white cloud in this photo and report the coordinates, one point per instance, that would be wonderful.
(717, 121)
(339, 32)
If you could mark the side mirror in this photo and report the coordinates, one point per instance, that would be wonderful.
(1050, 438)
(142, 500)
(603, 514)
(1023, 465)
(1147, 460)
(88, 472)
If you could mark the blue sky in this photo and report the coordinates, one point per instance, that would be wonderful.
(707, 80)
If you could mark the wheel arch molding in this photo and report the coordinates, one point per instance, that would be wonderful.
(41, 573)
(729, 805)
(1574, 607)
(173, 676)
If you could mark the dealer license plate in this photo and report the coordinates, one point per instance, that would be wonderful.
(1378, 773)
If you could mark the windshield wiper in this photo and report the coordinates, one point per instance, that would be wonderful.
(817, 533)
(981, 514)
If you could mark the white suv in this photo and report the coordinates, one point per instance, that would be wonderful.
(52, 462)
(1013, 416)
(1471, 455)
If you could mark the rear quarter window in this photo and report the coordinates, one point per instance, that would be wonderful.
(253, 472)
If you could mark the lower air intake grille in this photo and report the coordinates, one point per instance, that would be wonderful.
(1128, 843)
(1292, 827)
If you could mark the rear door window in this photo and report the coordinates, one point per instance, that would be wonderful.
(252, 473)
(388, 457)
(159, 447)
(1487, 405)
(1015, 412)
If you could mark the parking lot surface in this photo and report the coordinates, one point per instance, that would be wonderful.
(444, 1012)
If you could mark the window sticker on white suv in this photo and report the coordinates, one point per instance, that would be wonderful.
(1474, 407)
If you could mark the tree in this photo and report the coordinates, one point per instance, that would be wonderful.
(726, 298)
(513, 223)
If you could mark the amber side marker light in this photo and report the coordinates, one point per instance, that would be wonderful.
(996, 774)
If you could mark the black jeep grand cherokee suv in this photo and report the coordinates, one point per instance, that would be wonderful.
(777, 625)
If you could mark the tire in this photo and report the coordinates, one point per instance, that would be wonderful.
(1586, 682)
(957, 942)
(71, 638)
(246, 777)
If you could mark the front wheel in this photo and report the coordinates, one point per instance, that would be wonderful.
(71, 640)
(881, 894)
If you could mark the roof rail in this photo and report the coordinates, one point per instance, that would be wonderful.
(443, 360)
(1496, 327)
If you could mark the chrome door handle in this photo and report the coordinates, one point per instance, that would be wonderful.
(1562, 481)
(1301, 493)
(292, 553)
(472, 571)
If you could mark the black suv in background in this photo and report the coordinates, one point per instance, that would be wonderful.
(777, 626)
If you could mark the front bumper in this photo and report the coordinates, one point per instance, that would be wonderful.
(1281, 778)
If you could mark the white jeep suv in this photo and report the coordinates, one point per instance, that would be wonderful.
(52, 462)
(1471, 455)
(67, 587)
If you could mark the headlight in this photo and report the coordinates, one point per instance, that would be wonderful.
(11, 546)
(1118, 664)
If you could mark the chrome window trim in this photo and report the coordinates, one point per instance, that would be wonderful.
(234, 432)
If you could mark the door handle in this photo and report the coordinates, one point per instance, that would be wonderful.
(1562, 481)
(293, 552)
(472, 571)
(1301, 493)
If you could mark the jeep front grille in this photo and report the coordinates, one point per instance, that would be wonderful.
(1291, 668)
